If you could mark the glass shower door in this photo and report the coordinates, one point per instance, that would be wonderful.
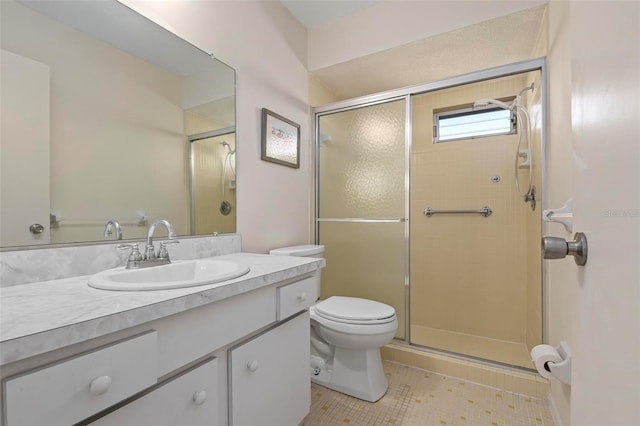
(362, 203)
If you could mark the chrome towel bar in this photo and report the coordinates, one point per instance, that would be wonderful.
(485, 211)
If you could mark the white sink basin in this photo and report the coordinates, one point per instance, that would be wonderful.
(179, 274)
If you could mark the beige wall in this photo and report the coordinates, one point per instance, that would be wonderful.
(320, 93)
(468, 273)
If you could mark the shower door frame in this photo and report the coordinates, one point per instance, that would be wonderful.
(406, 93)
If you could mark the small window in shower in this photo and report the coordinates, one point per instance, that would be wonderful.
(469, 122)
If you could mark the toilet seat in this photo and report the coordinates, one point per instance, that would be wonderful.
(353, 310)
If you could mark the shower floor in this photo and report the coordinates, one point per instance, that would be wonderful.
(505, 352)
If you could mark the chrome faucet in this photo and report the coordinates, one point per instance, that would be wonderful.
(113, 224)
(149, 250)
(150, 258)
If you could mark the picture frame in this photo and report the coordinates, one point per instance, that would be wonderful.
(280, 140)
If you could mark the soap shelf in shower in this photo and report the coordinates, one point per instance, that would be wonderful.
(563, 215)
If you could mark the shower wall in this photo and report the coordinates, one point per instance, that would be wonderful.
(475, 281)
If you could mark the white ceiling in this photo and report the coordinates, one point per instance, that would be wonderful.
(312, 13)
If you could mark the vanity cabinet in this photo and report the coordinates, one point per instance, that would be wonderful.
(269, 376)
(189, 399)
(243, 360)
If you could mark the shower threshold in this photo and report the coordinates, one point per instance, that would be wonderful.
(498, 351)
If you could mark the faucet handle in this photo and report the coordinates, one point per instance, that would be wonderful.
(134, 256)
(162, 250)
(135, 251)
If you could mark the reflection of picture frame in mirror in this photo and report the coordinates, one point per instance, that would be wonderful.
(280, 140)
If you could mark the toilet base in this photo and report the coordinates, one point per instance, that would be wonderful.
(358, 373)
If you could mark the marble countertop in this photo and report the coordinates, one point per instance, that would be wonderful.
(40, 317)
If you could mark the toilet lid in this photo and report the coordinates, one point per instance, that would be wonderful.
(354, 310)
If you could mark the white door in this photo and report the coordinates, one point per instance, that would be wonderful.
(606, 140)
(24, 150)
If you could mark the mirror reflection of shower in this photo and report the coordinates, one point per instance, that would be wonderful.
(228, 177)
(524, 153)
(212, 176)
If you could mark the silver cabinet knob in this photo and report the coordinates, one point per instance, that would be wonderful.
(36, 228)
(559, 248)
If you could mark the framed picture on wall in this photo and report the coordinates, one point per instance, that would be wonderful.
(280, 140)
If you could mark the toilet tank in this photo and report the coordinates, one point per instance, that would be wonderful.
(308, 250)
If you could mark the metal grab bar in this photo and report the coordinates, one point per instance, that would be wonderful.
(485, 211)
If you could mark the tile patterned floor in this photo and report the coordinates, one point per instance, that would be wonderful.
(419, 397)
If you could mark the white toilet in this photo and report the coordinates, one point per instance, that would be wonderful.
(346, 336)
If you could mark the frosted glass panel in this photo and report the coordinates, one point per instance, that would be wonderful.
(362, 162)
(365, 260)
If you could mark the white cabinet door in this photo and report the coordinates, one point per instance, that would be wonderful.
(188, 400)
(269, 377)
(24, 142)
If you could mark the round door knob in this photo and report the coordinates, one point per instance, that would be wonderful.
(558, 248)
(302, 296)
(200, 397)
(36, 228)
(252, 366)
(100, 385)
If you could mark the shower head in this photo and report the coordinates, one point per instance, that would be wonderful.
(531, 87)
(487, 102)
(226, 145)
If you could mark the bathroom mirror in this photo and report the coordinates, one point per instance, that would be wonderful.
(101, 112)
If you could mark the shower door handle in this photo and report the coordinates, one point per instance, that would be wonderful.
(559, 248)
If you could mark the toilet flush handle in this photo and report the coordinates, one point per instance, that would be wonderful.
(559, 248)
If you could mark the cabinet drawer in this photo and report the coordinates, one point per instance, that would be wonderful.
(296, 297)
(188, 400)
(69, 391)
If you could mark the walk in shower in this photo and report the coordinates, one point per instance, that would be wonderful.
(429, 199)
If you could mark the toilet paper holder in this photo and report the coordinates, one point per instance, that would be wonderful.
(561, 370)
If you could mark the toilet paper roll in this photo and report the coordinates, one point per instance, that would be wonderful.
(542, 354)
